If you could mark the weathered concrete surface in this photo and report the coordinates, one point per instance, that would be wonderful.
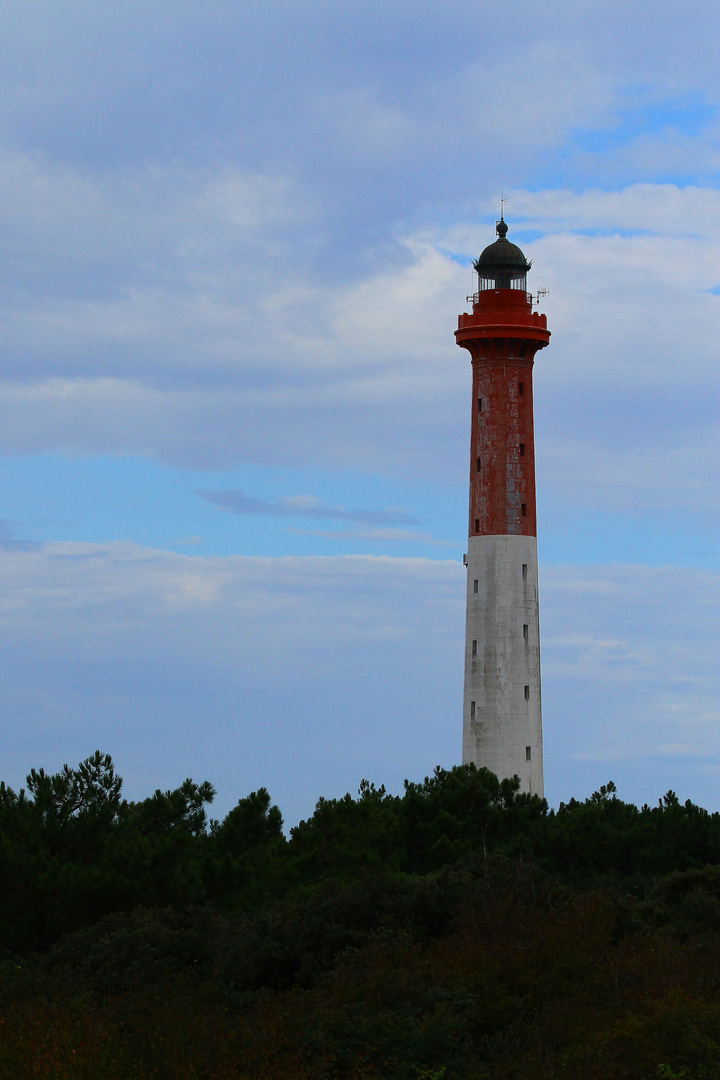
(502, 718)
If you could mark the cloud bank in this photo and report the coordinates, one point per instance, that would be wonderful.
(306, 674)
(303, 506)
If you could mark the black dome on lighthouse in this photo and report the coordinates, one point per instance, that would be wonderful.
(502, 255)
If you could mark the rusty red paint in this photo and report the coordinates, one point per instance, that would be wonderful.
(502, 336)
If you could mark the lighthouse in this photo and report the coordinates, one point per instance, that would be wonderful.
(502, 719)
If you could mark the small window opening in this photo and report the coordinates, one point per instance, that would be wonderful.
(526, 631)
(479, 404)
(474, 648)
(477, 524)
(523, 508)
(472, 710)
(522, 449)
(521, 389)
(477, 465)
(528, 753)
(524, 571)
(527, 693)
(475, 585)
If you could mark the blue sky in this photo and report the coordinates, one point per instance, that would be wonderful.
(235, 241)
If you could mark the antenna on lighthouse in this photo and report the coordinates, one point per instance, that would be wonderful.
(503, 200)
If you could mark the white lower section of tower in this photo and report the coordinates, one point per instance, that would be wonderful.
(502, 720)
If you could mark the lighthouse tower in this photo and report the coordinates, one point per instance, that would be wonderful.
(502, 723)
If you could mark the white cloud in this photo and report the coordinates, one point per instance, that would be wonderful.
(659, 209)
(307, 673)
(651, 476)
(630, 665)
(208, 267)
(214, 367)
(378, 536)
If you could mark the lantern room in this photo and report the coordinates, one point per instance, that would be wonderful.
(502, 265)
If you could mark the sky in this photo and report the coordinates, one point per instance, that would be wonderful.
(234, 423)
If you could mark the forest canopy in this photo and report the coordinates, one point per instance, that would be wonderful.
(459, 929)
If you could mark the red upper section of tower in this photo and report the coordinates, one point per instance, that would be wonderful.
(502, 336)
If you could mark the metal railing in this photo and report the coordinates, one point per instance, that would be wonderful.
(474, 298)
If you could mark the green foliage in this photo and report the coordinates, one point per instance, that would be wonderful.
(243, 863)
(92, 791)
(458, 930)
(604, 836)
(488, 971)
(71, 850)
(347, 836)
(452, 814)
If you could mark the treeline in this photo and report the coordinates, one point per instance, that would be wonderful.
(461, 929)
(73, 850)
